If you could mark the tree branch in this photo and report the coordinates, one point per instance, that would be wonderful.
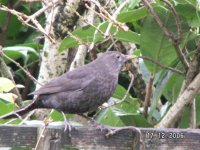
(148, 95)
(25, 19)
(187, 96)
(168, 34)
(178, 22)
(161, 65)
(25, 71)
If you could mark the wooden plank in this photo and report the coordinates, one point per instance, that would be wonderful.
(54, 138)
(21, 136)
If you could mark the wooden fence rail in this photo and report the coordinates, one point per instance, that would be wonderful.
(54, 138)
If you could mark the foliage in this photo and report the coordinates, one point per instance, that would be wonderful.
(150, 41)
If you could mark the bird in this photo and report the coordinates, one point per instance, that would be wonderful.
(81, 90)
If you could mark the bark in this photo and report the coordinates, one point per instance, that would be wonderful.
(186, 97)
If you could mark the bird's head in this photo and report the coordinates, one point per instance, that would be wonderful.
(115, 59)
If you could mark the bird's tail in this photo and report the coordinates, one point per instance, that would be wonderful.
(20, 112)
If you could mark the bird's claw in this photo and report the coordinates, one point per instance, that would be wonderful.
(110, 133)
(68, 126)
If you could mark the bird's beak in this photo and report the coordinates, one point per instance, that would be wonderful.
(129, 57)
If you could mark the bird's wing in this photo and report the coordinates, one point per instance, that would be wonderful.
(70, 81)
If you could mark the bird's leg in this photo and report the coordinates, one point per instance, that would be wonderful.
(66, 122)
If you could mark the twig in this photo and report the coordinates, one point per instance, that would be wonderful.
(80, 41)
(157, 18)
(114, 16)
(111, 45)
(22, 17)
(6, 73)
(161, 65)
(112, 132)
(127, 92)
(87, 22)
(42, 10)
(94, 37)
(42, 133)
(27, 117)
(4, 27)
(168, 34)
(148, 95)
(186, 97)
(25, 71)
(104, 14)
(178, 23)
(193, 70)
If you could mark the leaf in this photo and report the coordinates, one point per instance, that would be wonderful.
(155, 44)
(6, 108)
(173, 87)
(190, 13)
(86, 34)
(8, 97)
(134, 3)
(6, 85)
(108, 117)
(130, 104)
(157, 94)
(13, 26)
(111, 116)
(133, 15)
(135, 119)
(129, 36)
(57, 116)
(24, 52)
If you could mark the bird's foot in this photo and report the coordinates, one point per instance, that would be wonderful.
(68, 126)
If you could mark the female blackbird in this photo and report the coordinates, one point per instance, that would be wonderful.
(81, 90)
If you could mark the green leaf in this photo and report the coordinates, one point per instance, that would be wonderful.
(118, 117)
(156, 96)
(6, 85)
(129, 36)
(134, 3)
(190, 13)
(86, 35)
(57, 116)
(108, 117)
(135, 119)
(6, 108)
(13, 26)
(8, 97)
(130, 104)
(24, 52)
(112, 115)
(133, 15)
(155, 44)
(173, 87)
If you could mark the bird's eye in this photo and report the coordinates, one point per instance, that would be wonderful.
(118, 56)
